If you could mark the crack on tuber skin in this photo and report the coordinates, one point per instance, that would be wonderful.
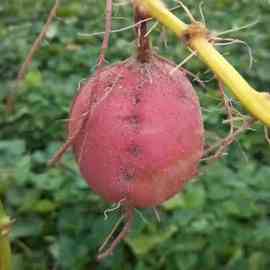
(128, 174)
(137, 98)
(135, 150)
(134, 120)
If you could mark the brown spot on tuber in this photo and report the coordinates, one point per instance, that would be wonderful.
(133, 120)
(128, 173)
(135, 150)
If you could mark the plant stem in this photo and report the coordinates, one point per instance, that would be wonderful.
(256, 103)
(5, 251)
(28, 61)
(108, 29)
(143, 46)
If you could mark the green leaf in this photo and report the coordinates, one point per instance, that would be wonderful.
(23, 168)
(174, 203)
(143, 244)
(27, 227)
(44, 206)
(10, 151)
(33, 79)
(257, 261)
(195, 196)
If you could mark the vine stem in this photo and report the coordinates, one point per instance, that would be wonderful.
(143, 45)
(28, 60)
(256, 103)
(108, 29)
(5, 250)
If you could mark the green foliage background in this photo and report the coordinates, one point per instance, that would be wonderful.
(221, 221)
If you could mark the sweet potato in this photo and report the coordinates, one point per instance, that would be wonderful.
(138, 131)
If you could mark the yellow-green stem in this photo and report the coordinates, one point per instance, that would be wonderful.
(5, 251)
(256, 103)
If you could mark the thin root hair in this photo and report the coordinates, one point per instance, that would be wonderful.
(113, 209)
(229, 41)
(129, 215)
(108, 238)
(267, 134)
(237, 29)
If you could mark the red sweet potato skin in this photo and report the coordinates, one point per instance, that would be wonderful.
(140, 132)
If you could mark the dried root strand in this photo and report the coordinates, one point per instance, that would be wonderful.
(157, 215)
(228, 106)
(223, 145)
(199, 29)
(229, 41)
(101, 61)
(10, 104)
(143, 44)
(108, 238)
(194, 77)
(69, 142)
(59, 154)
(267, 134)
(189, 14)
(108, 29)
(196, 28)
(129, 214)
(132, 26)
(83, 122)
(113, 208)
(193, 53)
